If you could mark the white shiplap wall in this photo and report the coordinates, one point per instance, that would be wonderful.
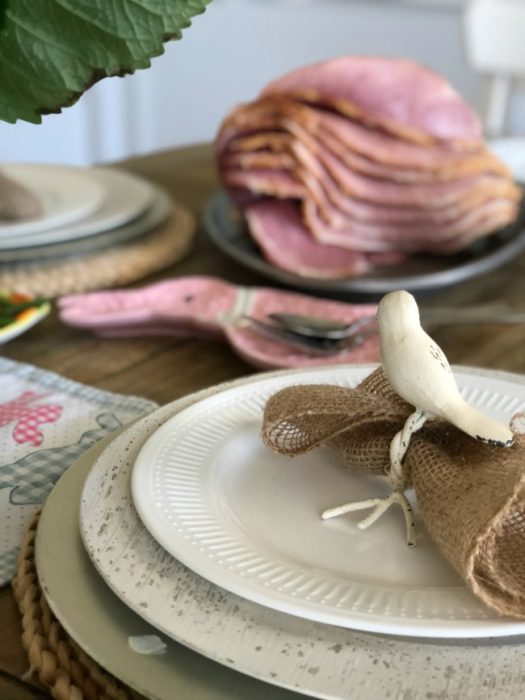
(228, 55)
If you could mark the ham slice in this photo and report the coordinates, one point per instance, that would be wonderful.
(400, 96)
(458, 243)
(476, 164)
(380, 156)
(254, 150)
(341, 210)
(272, 115)
(411, 238)
(259, 160)
(343, 194)
(277, 228)
(335, 206)
(338, 209)
(385, 149)
(426, 195)
(277, 183)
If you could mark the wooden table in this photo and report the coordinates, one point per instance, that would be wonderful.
(165, 369)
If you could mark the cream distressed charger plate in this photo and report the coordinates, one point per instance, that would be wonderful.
(317, 659)
(250, 521)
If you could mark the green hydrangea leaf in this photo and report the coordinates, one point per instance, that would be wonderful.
(52, 51)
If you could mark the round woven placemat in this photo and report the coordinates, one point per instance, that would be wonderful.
(112, 267)
(55, 659)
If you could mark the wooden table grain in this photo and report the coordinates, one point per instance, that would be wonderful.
(164, 369)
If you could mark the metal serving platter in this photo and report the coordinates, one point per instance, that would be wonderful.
(419, 273)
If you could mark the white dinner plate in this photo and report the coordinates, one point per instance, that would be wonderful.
(126, 197)
(249, 520)
(66, 194)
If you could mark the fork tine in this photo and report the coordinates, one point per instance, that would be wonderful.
(317, 327)
(310, 345)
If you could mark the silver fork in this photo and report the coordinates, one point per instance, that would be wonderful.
(322, 347)
(324, 337)
(313, 326)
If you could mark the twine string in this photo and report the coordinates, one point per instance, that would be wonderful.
(398, 478)
(54, 658)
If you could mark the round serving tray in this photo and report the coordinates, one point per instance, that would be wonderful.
(418, 273)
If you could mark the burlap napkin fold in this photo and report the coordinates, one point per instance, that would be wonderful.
(471, 496)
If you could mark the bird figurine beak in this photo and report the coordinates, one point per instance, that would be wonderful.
(420, 373)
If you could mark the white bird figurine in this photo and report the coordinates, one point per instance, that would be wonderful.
(420, 373)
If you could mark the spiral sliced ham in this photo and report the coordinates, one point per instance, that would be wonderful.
(357, 157)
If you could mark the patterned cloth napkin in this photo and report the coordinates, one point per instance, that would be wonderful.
(46, 423)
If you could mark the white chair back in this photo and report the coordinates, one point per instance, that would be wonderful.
(495, 46)
(495, 36)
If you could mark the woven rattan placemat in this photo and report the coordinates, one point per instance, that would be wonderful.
(112, 267)
(55, 659)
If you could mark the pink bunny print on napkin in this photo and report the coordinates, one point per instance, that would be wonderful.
(28, 417)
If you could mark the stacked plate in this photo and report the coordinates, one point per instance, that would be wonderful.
(83, 210)
(210, 540)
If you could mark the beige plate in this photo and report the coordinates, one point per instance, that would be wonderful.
(96, 619)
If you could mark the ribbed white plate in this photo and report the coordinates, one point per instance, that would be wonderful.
(249, 520)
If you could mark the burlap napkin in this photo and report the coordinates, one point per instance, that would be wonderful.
(471, 496)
